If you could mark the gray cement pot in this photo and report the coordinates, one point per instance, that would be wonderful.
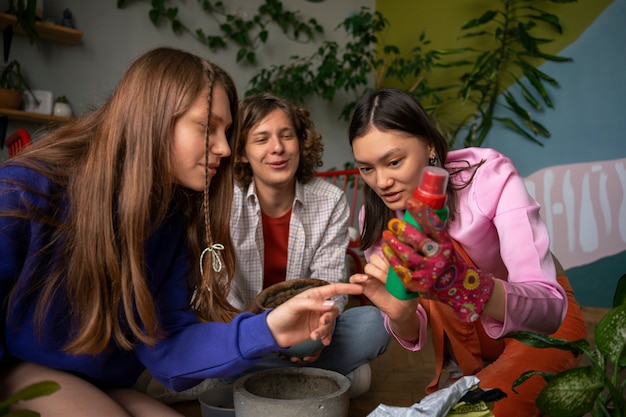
(288, 392)
(217, 402)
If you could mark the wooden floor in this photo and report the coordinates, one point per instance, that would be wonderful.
(399, 376)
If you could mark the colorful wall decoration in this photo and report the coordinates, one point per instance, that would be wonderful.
(579, 175)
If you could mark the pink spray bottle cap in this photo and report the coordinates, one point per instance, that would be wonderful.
(432, 187)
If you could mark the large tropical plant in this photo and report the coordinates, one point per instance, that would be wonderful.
(364, 62)
(514, 52)
(599, 388)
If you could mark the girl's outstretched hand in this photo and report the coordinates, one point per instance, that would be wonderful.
(401, 313)
(308, 315)
(373, 282)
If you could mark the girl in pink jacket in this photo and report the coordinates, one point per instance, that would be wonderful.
(482, 273)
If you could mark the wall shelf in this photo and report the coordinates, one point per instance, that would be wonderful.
(24, 116)
(46, 31)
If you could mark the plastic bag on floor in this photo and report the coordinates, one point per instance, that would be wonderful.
(437, 404)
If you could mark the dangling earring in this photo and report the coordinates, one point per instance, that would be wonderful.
(432, 161)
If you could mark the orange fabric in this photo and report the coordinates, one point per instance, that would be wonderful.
(518, 358)
(498, 363)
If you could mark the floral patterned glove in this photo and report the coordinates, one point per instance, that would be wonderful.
(427, 263)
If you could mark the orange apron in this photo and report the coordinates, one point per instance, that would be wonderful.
(497, 363)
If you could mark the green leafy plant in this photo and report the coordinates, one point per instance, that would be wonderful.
(246, 34)
(12, 77)
(36, 390)
(514, 51)
(332, 68)
(25, 12)
(366, 62)
(598, 388)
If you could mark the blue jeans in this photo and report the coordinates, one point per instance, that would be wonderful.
(359, 338)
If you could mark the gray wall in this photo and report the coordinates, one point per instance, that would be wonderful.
(113, 37)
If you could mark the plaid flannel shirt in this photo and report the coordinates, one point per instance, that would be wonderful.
(318, 238)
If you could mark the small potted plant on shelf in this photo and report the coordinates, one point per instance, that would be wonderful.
(12, 85)
(598, 388)
(62, 107)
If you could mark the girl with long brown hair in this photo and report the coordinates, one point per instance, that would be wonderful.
(115, 253)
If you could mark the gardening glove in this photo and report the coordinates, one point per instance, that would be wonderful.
(428, 263)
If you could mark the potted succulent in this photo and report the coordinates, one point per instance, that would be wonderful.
(598, 388)
(275, 295)
(62, 107)
(12, 85)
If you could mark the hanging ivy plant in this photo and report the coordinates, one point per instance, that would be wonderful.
(365, 62)
(245, 34)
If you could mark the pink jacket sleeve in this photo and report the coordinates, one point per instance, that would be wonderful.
(500, 227)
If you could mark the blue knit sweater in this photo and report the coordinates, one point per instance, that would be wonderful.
(191, 351)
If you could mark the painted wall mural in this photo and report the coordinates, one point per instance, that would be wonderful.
(584, 206)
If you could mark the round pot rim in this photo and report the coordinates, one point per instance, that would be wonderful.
(342, 380)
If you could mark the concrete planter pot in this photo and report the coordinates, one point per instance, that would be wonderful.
(217, 402)
(288, 392)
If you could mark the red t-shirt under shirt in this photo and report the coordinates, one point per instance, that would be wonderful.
(276, 238)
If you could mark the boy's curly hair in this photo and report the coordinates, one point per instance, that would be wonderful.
(252, 110)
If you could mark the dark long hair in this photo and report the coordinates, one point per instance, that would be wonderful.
(391, 109)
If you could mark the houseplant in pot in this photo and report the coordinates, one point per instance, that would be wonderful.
(275, 295)
(599, 388)
(62, 107)
(12, 85)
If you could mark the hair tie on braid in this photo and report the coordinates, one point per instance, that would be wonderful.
(216, 259)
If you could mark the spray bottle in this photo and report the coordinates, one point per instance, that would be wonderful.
(432, 192)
